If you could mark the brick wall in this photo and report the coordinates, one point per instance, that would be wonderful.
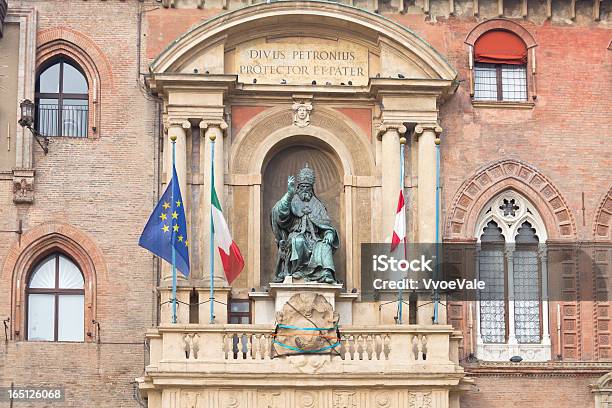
(532, 391)
(104, 186)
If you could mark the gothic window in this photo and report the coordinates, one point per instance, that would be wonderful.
(62, 99)
(500, 67)
(512, 263)
(55, 301)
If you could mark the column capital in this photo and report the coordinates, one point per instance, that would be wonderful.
(389, 126)
(420, 128)
(176, 122)
(213, 123)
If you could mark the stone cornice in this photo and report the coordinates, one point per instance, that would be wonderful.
(165, 83)
(551, 368)
(162, 83)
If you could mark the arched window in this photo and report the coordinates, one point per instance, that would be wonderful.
(513, 307)
(62, 99)
(55, 301)
(500, 67)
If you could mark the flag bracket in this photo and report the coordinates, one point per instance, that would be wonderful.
(214, 300)
(171, 301)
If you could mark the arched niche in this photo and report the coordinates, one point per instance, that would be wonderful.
(346, 154)
(285, 159)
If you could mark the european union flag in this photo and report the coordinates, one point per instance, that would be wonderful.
(167, 227)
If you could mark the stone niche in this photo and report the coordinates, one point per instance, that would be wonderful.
(288, 160)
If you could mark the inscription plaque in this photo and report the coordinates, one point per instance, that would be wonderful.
(299, 61)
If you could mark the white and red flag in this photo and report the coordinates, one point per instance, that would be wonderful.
(230, 254)
(399, 229)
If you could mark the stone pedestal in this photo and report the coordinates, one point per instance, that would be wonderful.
(182, 306)
(266, 304)
(282, 292)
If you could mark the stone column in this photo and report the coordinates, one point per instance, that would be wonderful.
(545, 320)
(426, 192)
(390, 135)
(212, 130)
(176, 128)
(510, 262)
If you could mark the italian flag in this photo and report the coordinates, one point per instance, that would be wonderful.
(399, 229)
(230, 253)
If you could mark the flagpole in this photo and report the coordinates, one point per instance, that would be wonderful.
(437, 243)
(400, 300)
(211, 298)
(174, 195)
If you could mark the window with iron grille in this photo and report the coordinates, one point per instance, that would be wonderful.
(500, 82)
(62, 99)
(511, 264)
(500, 67)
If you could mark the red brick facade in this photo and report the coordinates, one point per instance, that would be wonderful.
(93, 195)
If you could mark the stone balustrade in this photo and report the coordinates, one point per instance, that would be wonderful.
(387, 346)
(230, 365)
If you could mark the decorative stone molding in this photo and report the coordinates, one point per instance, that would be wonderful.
(23, 186)
(501, 175)
(566, 12)
(419, 400)
(301, 113)
(503, 352)
(602, 226)
(39, 242)
(345, 399)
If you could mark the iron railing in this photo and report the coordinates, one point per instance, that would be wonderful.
(69, 120)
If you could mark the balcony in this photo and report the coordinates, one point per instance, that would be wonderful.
(70, 120)
(232, 360)
(304, 359)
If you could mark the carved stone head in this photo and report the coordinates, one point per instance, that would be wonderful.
(301, 114)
